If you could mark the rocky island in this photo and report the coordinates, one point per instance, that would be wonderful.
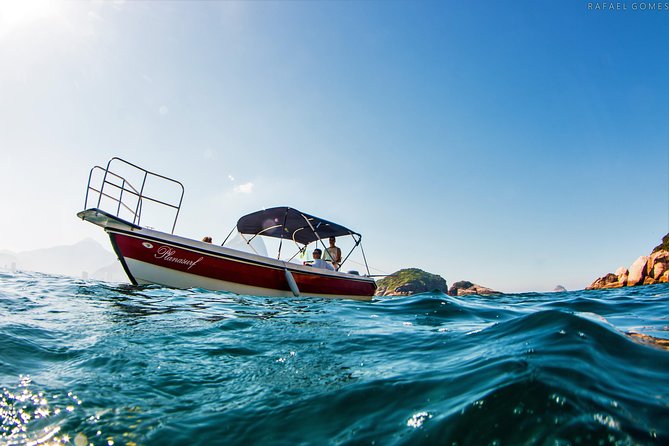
(646, 270)
(410, 281)
(465, 288)
(413, 280)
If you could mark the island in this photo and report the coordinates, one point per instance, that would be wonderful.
(646, 270)
(408, 281)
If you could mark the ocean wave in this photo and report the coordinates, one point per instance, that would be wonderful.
(151, 365)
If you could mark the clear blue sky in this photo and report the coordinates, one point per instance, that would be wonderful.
(519, 145)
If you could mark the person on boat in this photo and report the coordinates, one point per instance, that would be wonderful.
(333, 254)
(318, 262)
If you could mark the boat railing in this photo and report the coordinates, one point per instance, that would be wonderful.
(110, 190)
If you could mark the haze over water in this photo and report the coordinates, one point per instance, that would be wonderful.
(86, 362)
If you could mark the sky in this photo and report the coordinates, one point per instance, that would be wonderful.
(517, 145)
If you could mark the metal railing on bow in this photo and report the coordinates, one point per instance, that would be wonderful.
(110, 190)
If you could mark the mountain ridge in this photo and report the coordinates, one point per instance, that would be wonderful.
(84, 259)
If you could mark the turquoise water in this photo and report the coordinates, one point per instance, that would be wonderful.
(84, 362)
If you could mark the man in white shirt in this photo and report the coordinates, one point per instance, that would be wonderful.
(333, 254)
(320, 263)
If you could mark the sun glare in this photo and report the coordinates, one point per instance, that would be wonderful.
(17, 13)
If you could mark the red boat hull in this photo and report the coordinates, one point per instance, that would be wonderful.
(184, 263)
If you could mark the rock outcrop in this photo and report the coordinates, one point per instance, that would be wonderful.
(646, 270)
(664, 246)
(559, 289)
(608, 281)
(464, 288)
(410, 281)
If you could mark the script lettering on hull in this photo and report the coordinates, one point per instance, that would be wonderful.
(167, 254)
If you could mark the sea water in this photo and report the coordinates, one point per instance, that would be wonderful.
(85, 362)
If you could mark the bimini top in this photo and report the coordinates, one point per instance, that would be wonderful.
(289, 223)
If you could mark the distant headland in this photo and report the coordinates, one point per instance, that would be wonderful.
(86, 259)
(646, 270)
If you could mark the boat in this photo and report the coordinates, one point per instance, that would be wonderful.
(121, 195)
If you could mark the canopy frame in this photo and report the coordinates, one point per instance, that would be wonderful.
(302, 228)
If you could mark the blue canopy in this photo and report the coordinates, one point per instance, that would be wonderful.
(289, 223)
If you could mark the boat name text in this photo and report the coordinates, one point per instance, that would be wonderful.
(166, 253)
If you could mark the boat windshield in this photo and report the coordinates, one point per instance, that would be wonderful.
(240, 242)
